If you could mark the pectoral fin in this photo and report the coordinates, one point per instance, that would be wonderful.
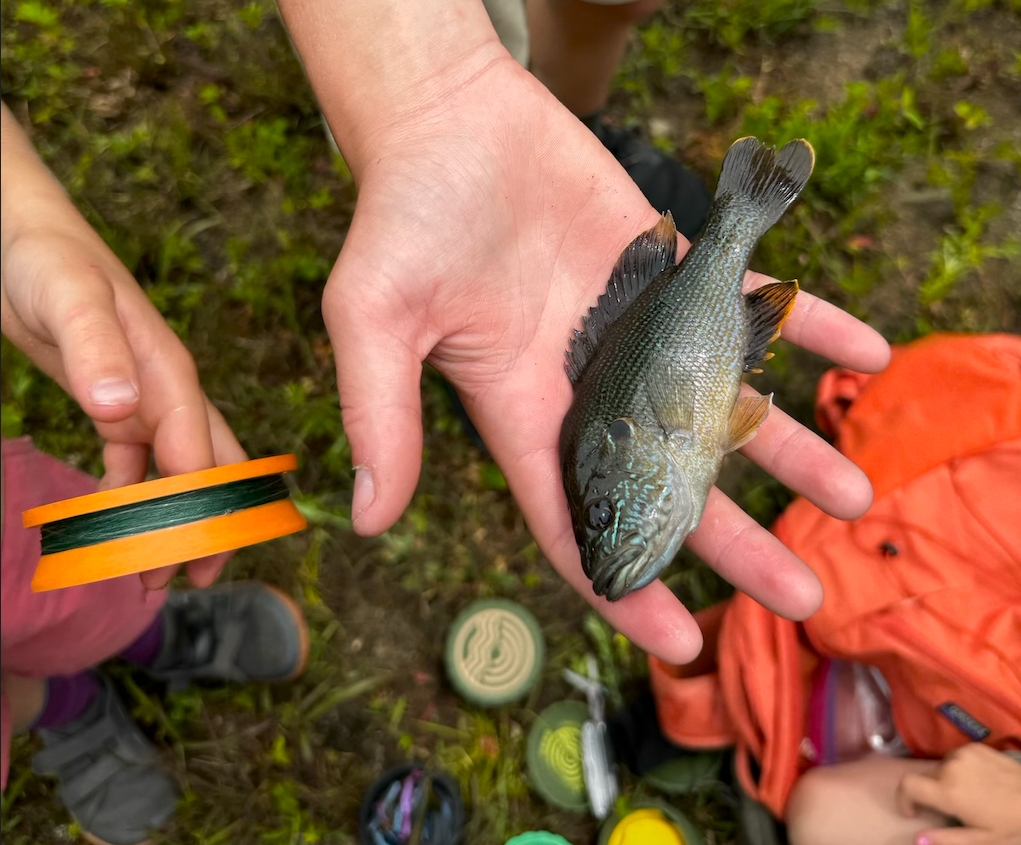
(768, 307)
(749, 413)
(668, 389)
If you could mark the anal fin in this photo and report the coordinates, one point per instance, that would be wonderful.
(749, 413)
(768, 307)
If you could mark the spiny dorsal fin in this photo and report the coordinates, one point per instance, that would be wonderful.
(770, 180)
(749, 413)
(642, 260)
(768, 307)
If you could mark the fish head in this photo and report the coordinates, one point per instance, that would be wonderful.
(631, 509)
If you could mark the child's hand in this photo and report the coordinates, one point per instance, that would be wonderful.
(975, 784)
(74, 309)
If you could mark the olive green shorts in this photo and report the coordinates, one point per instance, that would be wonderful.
(508, 17)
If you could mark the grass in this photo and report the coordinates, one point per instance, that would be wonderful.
(187, 135)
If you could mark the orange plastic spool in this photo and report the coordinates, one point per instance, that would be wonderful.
(154, 545)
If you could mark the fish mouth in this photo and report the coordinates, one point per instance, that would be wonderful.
(640, 555)
(629, 568)
(634, 565)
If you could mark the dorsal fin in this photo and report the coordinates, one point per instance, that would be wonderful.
(642, 260)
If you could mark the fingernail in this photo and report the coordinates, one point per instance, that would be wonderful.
(923, 840)
(364, 493)
(113, 391)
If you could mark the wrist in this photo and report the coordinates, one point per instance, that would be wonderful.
(378, 65)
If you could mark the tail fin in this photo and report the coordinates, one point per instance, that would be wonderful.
(768, 180)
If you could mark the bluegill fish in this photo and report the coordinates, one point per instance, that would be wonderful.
(657, 371)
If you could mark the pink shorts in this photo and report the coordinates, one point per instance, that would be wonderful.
(60, 632)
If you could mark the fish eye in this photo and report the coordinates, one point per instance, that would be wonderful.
(620, 430)
(600, 514)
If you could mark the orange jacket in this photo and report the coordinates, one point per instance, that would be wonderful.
(926, 586)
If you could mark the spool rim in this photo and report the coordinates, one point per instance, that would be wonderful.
(167, 546)
(544, 777)
(537, 837)
(689, 833)
(157, 488)
(476, 692)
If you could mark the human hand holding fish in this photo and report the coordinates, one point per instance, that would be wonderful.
(488, 221)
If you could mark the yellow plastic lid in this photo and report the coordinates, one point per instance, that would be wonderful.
(646, 827)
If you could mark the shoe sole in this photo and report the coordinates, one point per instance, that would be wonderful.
(303, 634)
(303, 650)
(95, 840)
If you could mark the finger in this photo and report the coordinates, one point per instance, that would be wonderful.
(179, 417)
(753, 560)
(177, 414)
(158, 579)
(181, 444)
(921, 790)
(226, 449)
(803, 461)
(204, 572)
(128, 463)
(192, 437)
(379, 381)
(962, 836)
(905, 804)
(830, 331)
(80, 313)
(123, 464)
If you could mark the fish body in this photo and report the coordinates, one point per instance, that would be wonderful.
(657, 373)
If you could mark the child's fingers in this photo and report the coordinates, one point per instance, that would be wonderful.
(203, 572)
(157, 579)
(920, 790)
(124, 464)
(226, 448)
(962, 836)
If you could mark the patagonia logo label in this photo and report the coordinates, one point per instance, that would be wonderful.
(964, 721)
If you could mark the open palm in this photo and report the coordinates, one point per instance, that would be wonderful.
(483, 231)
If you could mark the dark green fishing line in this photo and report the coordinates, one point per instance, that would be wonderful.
(88, 529)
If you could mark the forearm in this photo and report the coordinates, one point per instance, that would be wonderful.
(374, 64)
(33, 204)
(855, 802)
(28, 191)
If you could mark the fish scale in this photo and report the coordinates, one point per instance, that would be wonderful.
(657, 373)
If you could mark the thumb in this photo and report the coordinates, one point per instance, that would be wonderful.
(379, 380)
(98, 361)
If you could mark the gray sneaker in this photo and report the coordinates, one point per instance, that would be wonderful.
(109, 774)
(667, 184)
(239, 631)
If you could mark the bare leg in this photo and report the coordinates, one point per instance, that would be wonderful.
(850, 803)
(576, 47)
(26, 696)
